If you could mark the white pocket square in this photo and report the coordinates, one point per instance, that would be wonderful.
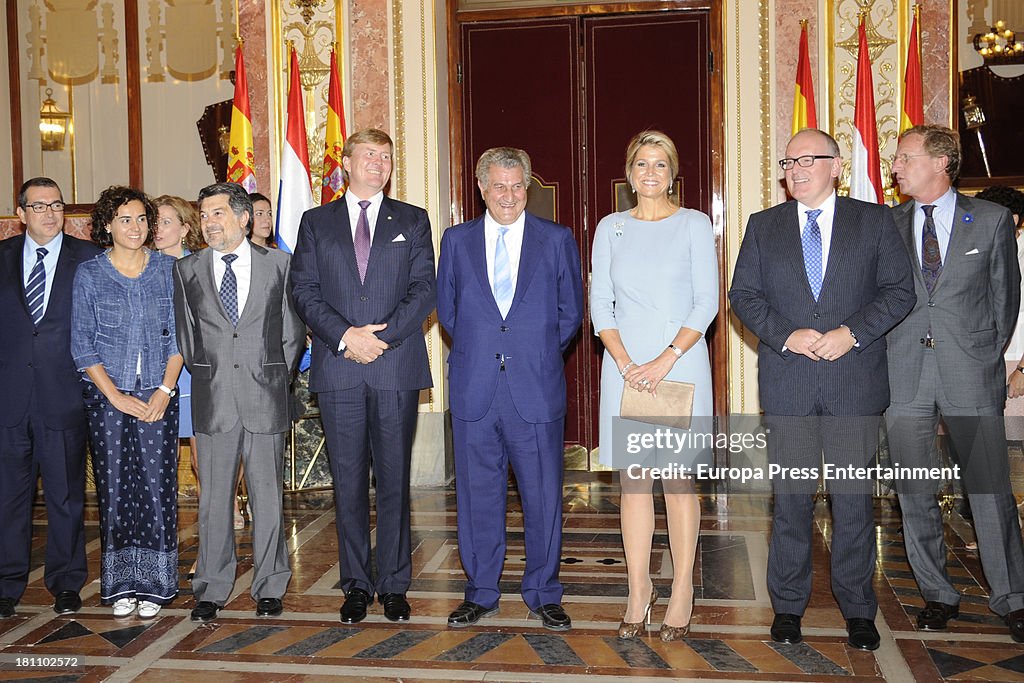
(401, 238)
(971, 252)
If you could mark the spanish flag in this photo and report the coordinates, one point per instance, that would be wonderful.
(334, 139)
(913, 95)
(804, 114)
(241, 159)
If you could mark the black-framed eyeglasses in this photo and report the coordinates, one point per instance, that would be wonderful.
(40, 207)
(805, 161)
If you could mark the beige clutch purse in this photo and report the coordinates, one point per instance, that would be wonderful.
(672, 407)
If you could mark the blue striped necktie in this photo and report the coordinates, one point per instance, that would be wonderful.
(229, 289)
(503, 290)
(812, 252)
(36, 287)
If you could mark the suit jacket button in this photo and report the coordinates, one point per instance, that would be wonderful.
(816, 316)
(363, 298)
(931, 304)
(236, 366)
(35, 333)
(235, 335)
(504, 328)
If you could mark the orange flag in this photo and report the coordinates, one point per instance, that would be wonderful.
(334, 139)
(804, 114)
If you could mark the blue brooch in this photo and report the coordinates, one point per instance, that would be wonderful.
(968, 218)
(618, 228)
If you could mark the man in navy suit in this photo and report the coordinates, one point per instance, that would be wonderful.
(42, 416)
(510, 294)
(363, 281)
(820, 280)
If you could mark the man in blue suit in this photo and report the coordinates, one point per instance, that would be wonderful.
(42, 417)
(510, 294)
(820, 280)
(363, 281)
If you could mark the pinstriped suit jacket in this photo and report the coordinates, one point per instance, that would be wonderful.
(972, 311)
(868, 286)
(399, 290)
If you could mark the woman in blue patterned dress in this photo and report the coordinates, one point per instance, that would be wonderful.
(123, 339)
(653, 294)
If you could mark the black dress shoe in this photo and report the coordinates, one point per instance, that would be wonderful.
(7, 608)
(468, 613)
(935, 615)
(863, 634)
(553, 617)
(396, 608)
(1015, 620)
(205, 611)
(354, 609)
(67, 602)
(786, 629)
(269, 607)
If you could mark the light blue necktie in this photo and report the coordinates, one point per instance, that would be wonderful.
(36, 287)
(812, 252)
(229, 289)
(503, 290)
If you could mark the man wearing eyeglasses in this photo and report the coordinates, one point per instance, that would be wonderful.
(820, 280)
(946, 360)
(42, 417)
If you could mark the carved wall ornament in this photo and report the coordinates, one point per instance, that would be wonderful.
(71, 34)
(188, 33)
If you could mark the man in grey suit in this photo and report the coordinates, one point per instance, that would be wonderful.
(364, 282)
(947, 360)
(241, 339)
(820, 280)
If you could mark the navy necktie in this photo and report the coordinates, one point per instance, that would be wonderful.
(229, 289)
(812, 252)
(35, 289)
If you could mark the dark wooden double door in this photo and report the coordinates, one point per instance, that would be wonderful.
(572, 91)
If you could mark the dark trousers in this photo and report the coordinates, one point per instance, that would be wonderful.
(364, 425)
(28, 450)
(484, 449)
(809, 442)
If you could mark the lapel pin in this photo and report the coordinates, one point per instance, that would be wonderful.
(618, 228)
(389, 217)
(968, 218)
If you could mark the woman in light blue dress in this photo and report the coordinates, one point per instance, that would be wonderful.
(653, 294)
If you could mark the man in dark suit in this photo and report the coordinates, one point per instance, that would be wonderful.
(42, 417)
(363, 275)
(241, 339)
(820, 279)
(510, 295)
(946, 359)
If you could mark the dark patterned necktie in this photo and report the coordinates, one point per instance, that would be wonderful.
(35, 289)
(229, 289)
(362, 241)
(931, 257)
(812, 252)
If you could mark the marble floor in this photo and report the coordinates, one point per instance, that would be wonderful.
(729, 640)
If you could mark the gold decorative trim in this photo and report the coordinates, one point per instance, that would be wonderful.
(432, 318)
(398, 50)
(764, 81)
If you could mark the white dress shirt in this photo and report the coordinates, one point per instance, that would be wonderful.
(372, 210)
(513, 243)
(242, 268)
(828, 210)
(942, 214)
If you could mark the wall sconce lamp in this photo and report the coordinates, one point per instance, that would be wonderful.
(53, 124)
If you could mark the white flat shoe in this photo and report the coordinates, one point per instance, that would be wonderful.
(148, 610)
(124, 607)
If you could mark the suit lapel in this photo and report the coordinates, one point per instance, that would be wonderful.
(343, 235)
(529, 256)
(14, 265)
(386, 229)
(204, 272)
(258, 279)
(844, 232)
(476, 248)
(959, 237)
(792, 245)
(63, 277)
(903, 215)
